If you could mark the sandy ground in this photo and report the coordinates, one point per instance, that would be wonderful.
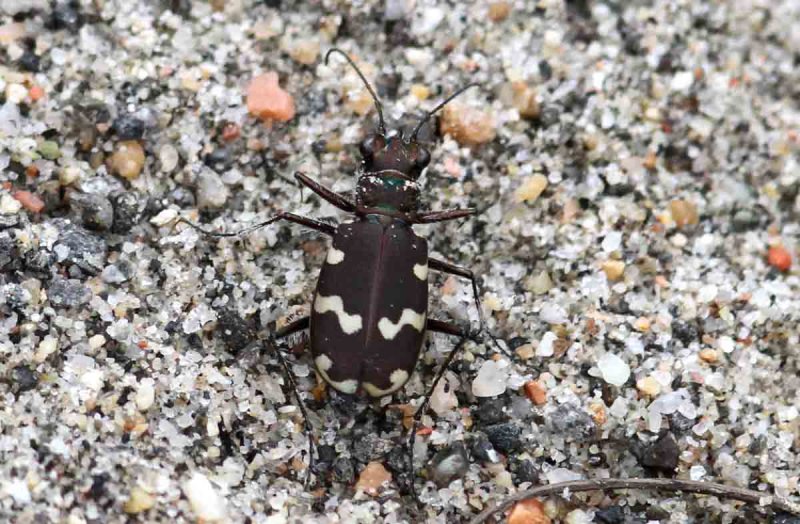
(635, 168)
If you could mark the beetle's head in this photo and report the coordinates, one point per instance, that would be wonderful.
(380, 153)
(391, 164)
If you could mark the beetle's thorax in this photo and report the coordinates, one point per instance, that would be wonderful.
(389, 191)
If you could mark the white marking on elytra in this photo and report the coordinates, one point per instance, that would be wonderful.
(397, 378)
(390, 329)
(421, 271)
(334, 256)
(349, 323)
(324, 363)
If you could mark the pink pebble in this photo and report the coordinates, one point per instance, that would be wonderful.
(266, 99)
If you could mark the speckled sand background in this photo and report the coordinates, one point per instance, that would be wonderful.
(636, 169)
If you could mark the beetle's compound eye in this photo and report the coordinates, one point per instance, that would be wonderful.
(423, 158)
(370, 145)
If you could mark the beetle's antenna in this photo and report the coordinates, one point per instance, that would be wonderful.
(433, 111)
(382, 125)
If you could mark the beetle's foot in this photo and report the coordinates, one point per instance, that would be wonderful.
(484, 336)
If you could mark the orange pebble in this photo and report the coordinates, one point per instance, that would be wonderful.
(528, 511)
(31, 171)
(36, 92)
(779, 258)
(29, 201)
(266, 99)
(536, 392)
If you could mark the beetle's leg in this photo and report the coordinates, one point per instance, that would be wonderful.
(287, 371)
(447, 267)
(293, 327)
(340, 201)
(322, 227)
(450, 329)
(428, 217)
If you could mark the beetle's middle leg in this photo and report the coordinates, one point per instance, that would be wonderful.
(272, 347)
(293, 327)
(453, 269)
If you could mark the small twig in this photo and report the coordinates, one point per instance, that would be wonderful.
(686, 486)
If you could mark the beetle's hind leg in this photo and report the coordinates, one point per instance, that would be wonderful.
(272, 347)
(450, 329)
(453, 269)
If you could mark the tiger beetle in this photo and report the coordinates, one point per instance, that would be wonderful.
(369, 313)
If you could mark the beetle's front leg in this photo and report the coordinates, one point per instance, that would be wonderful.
(447, 267)
(429, 217)
(316, 225)
(340, 201)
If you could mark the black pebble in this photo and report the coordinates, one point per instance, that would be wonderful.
(8, 252)
(550, 115)
(95, 211)
(179, 7)
(525, 471)
(610, 515)
(38, 261)
(369, 447)
(29, 61)
(25, 378)
(98, 487)
(545, 70)
(572, 422)
(662, 454)
(128, 209)
(325, 456)
(182, 196)
(86, 251)
(506, 438)
(679, 423)
(65, 15)
(482, 449)
(785, 518)
(684, 332)
(343, 471)
(491, 412)
(68, 292)
(745, 220)
(449, 464)
(219, 159)
(128, 127)
(516, 342)
(234, 330)
(318, 147)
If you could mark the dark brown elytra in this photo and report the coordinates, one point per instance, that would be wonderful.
(369, 314)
